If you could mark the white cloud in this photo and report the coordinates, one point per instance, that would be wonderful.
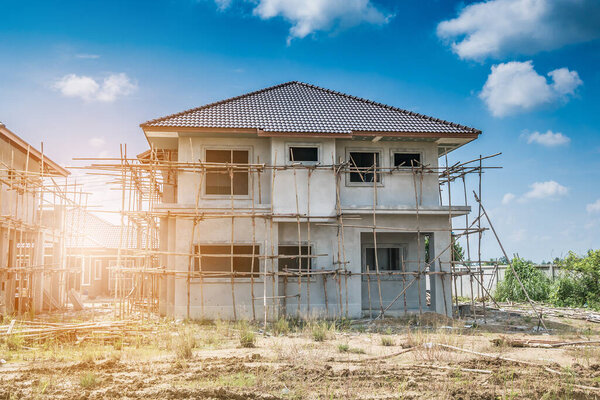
(564, 81)
(309, 16)
(77, 86)
(593, 207)
(96, 142)
(223, 4)
(545, 190)
(516, 86)
(548, 139)
(89, 89)
(499, 27)
(87, 56)
(508, 197)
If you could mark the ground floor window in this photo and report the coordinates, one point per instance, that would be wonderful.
(86, 272)
(291, 263)
(97, 269)
(388, 258)
(218, 258)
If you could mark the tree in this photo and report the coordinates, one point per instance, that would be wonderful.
(579, 282)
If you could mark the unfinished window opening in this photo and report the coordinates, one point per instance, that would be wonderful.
(219, 181)
(292, 263)
(308, 154)
(97, 270)
(86, 275)
(217, 258)
(363, 165)
(407, 160)
(388, 258)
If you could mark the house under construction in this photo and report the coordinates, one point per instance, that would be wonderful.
(33, 197)
(295, 201)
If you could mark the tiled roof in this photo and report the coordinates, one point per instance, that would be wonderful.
(296, 107)
(89, 230)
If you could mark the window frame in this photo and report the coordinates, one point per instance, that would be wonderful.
(257, 267)
(85, 262)
(97, 270)
(289, 145)
(247, 196)
(384, 276)
(377, 150)
(311, 252)
(406, 151)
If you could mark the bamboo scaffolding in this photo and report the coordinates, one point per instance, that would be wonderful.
(148, 179)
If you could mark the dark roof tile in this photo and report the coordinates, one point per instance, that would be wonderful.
(304, 108)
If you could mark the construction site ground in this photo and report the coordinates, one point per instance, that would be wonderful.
(92, 355)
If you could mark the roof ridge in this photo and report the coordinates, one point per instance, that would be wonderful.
(387, 106)
(216, 103)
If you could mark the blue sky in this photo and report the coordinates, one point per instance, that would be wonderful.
(81, 76)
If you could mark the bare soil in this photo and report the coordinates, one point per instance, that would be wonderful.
(351, 363)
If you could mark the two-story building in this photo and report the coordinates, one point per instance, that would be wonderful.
(298, 200)
(31, 230)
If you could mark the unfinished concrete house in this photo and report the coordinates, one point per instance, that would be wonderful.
(32, 273)
(295, 200)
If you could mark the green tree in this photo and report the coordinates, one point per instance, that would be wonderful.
(535, 282)
(579, 282)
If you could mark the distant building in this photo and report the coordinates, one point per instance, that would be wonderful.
(31, 237)
(93, 251)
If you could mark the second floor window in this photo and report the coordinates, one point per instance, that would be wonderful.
(219, 181)
(308, 154)
(407, 160)
(363, 166)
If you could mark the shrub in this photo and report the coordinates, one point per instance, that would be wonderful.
(387, 341)
(579, 282)
(319, 331)
(184, 344)
(247, 335)
(14, 342)
(281, 327)
(535, 282)
(343, 347)
(87, 380)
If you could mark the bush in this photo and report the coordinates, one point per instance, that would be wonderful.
(247, 335)
(87, 380)
(579, 282)
(185, 343)
(535, 282)
(281, 327)
(319, 331)
(387, 341)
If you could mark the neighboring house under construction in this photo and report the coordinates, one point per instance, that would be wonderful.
(32, 273)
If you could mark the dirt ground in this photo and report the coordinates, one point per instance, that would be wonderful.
(390, 359)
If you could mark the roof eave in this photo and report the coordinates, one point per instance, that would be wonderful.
(25, 147)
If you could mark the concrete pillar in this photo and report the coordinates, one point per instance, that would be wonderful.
(442, 284)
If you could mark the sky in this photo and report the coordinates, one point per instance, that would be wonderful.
(82, 75)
